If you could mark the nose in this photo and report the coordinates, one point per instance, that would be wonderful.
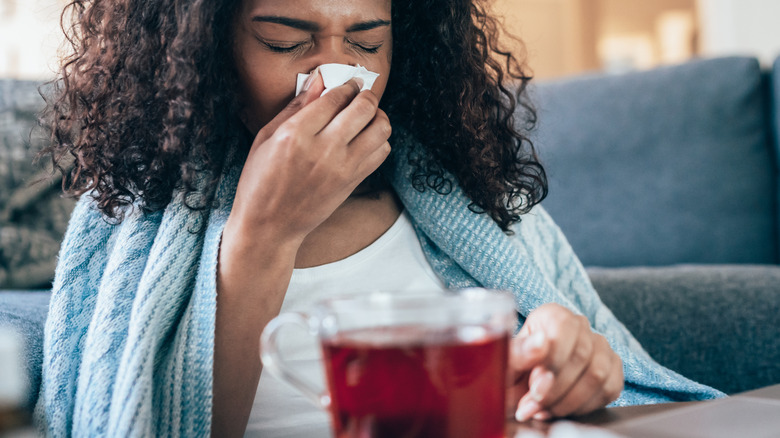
(332, 50)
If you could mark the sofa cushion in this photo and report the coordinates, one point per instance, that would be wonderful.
(714, 324)
(33, 216)
(25, 312)
(666, 166)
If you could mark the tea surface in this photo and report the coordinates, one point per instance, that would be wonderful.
(416, 382)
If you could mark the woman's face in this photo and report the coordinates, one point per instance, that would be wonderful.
(277, 39)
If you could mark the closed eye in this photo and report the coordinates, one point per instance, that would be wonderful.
(289, 47)
(368, 48)
(281, 46)
(282, 49)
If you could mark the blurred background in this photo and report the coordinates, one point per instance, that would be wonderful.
(562, 37)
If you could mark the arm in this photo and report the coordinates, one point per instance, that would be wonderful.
(302, 166)
(250, 289)
(642, 380)
(561, 366)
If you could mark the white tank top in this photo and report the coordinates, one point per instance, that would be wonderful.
(394, 262)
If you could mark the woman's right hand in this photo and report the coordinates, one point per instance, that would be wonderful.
(301, 167)
(307, 160)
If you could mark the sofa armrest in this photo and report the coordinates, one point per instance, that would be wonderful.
(716, 324)
(25, 312)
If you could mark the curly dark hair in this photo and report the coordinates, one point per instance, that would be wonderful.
(147, 102)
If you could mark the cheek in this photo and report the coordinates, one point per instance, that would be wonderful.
(383, 68)
(269, 84)
(380, 84)
(268, 89)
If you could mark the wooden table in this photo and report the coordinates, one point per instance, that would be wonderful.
(610, 417)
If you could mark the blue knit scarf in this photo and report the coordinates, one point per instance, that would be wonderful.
(129, 341)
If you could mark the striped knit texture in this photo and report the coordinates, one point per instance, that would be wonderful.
(538, 266)
(129, 341)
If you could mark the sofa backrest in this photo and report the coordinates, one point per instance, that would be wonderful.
(33, 214)
(19, 105)
(673, 165)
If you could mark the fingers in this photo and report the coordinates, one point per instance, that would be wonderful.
(316, 87)
(598, 385)
(301, 173)
(373, 160)
(612, 386)
(311, 119)
(562, 329)
(309, 112)
(374, 132)
(579, 373)
(365, 143)
(528, 350)
(354, 118)
(539, 381)
(337, 119)
(569, 366)
(598, 401)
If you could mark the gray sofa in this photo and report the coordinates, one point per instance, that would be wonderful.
(665, 182)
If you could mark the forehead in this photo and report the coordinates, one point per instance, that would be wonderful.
(320, 8)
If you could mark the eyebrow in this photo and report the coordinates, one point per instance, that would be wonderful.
(310, 26)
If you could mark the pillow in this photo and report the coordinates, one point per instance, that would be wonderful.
(672, 165)
(33, 216)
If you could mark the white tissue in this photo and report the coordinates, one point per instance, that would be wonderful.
(334, 75)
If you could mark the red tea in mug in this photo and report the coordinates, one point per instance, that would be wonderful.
(417, 382)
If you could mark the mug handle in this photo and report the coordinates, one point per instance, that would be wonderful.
(274, 363)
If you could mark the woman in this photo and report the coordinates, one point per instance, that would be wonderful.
(207, 187)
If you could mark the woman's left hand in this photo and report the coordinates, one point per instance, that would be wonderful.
(561, 367)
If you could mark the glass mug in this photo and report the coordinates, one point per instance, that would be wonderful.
(429, 364)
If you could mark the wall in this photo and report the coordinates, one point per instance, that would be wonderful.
(565, 37)
(740, 27)
(559, 35)
(29, 38)
(637, 34)
(562, 36)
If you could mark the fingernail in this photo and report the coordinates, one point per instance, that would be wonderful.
(359, 82)
(534, 342)
(526, 410)
(541, 385)
(543, 416)
(310, 79)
